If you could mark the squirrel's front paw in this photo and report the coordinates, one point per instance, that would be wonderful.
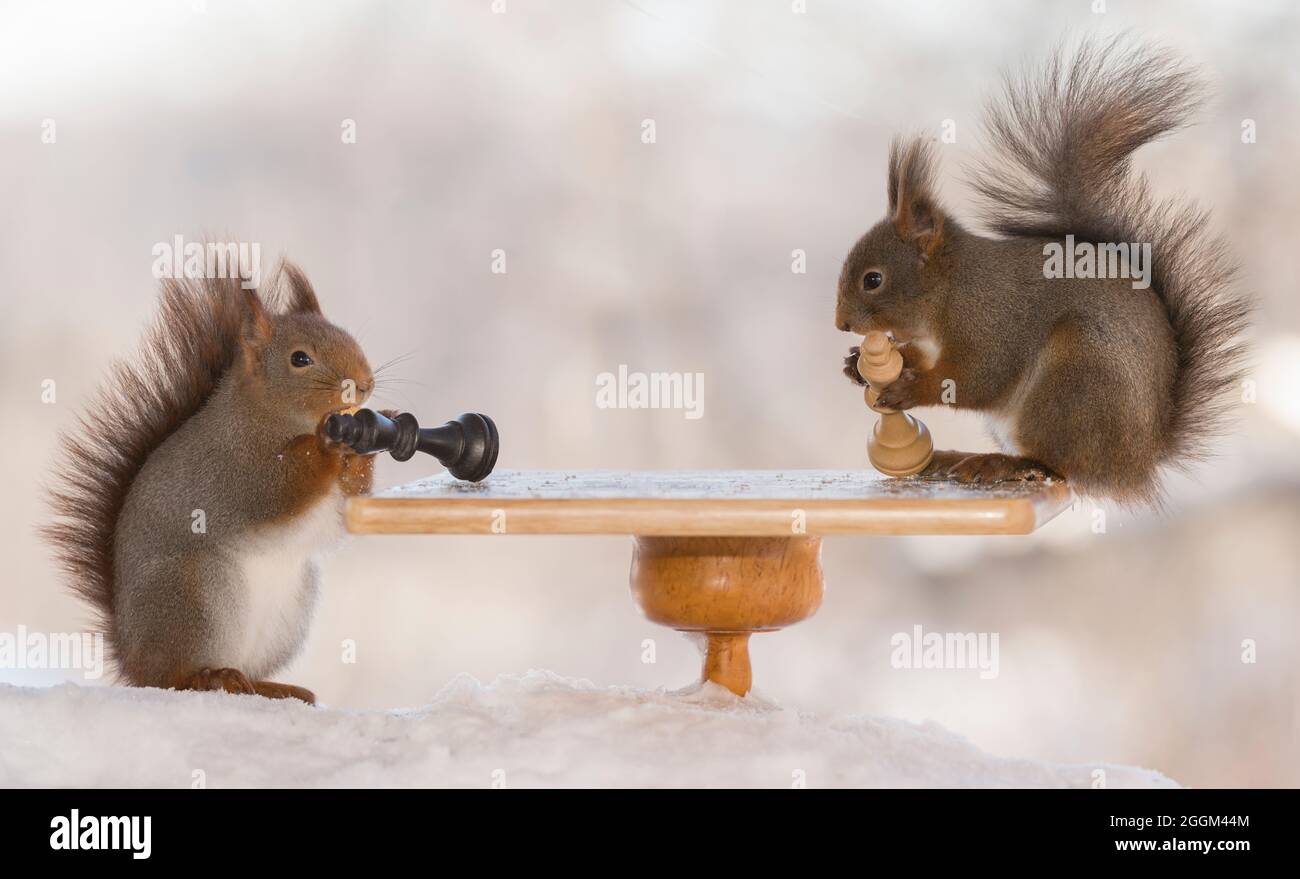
(851, 367)
(901, 392)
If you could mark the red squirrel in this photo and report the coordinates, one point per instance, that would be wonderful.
(198, 490)
(1089, 379)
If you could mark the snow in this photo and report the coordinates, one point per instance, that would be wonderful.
(532, 730)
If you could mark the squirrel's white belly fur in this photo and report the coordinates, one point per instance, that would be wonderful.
(1002, 421)
(278, 572)
(929, 349)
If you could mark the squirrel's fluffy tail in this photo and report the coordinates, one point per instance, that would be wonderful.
(1063, 137)
(194, 339)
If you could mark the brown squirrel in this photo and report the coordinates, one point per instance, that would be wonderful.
(1088, 379)
(200, 486)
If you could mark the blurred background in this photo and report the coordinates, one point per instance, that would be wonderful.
(518, 126)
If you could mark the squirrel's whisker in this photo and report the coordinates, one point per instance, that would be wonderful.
(389, 364)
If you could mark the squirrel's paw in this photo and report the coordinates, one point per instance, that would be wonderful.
(851, 367)
(231, 680)
(989, 469)
(273, 690)
(901, 392)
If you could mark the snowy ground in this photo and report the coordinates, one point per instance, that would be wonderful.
(521, 731)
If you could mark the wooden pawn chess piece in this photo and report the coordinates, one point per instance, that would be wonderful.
(899, 445)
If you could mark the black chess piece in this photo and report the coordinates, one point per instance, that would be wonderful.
(467, 447)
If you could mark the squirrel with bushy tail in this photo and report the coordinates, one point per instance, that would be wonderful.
(1085, 378)
(198, 492)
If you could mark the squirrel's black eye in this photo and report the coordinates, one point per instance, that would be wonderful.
(873, 280)
(300, 359)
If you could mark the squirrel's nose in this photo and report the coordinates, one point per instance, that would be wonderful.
(843, 326)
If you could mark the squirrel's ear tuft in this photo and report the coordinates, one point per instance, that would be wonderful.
(924, 226)
(913, 204)
(256, 331)
(302, 298)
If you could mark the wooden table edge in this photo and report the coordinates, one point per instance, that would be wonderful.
(708, 517)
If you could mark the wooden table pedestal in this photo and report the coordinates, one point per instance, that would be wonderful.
(727, 588)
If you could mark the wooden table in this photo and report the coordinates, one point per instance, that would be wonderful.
(723, 552)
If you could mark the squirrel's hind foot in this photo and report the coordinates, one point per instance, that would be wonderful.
(273, 690)
(232, 680)
(989, 469)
